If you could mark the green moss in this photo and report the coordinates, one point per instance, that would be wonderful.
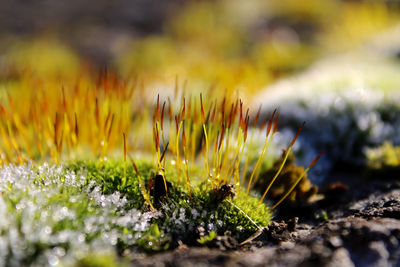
(290, 173)
(114, 176)
(180, 215)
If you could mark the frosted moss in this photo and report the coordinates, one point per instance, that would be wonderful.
(54, 214)
(50, 215)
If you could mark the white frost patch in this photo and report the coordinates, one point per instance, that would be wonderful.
(51, 207)
(345, 112)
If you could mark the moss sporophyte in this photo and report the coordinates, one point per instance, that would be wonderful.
(221, 175)
(199, 174)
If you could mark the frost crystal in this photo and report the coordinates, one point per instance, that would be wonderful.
(48, 216)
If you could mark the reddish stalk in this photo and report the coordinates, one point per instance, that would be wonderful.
(297, 181)
(283, 162)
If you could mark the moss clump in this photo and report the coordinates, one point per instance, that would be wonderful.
(384, 161)
(68, 214)
(114, 176)
(180, 215)
(290, 173)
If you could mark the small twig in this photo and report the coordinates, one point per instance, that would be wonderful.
(247, 216)
(259, 229)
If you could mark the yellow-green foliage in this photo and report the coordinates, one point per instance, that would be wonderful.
(181, 213)
(204, 240)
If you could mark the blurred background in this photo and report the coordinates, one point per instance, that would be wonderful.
(234, 44)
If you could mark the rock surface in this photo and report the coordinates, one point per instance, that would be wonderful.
(363, 232)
